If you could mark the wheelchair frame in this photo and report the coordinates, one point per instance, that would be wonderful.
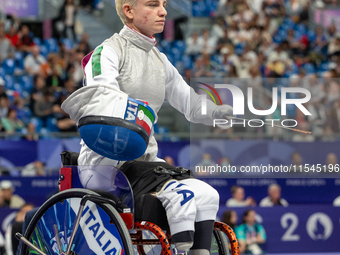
(163, 239)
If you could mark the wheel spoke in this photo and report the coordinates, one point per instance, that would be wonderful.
(75, 228)
(29, 244)
(57, 238)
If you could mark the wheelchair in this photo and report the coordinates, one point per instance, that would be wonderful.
(81, 221)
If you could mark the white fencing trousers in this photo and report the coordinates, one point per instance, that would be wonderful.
(188, 201)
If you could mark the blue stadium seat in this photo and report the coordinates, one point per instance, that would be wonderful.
(9, 81)
(166, 46)
(2, 72)
(289, 22)
(43, 50)
(17, 88)
(51, 44)
(26, 82)
(309, 68)
(37, 41)
(19, 59)
(38, 123)
(68, 43)
(311, 36)
(323, 67)
(51, 125)
(199, 9)
(187, 62)
(294, 69)
(176, 53)
(180, 45)
(282, 33)
(277, 39)
(9, 66)
(297, 35)
(300, 28)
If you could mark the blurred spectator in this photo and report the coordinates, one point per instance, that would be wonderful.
(294, 8)
(13, 36)
(223, 41)
(332, 159)
(296, 159)
(218, 29)
(209, 43)
(26, 41)
(4, 105)
(37, 91)
(320, 40)
(250, 234)
(230, 218)
(194, 44)
(187, 75)
(224, 162)
(206, 160)
(23, 112)
(36, 168)
(43, 107)
(31, 133)
(34, 61)
(16, 227)
(238, 198)
(6, 47)
(169, 160)
(334, 46)
(274, 197)
(68, 14)
(64, 122)
(84, 44)
(11, 123)
(9, 199)
(202, 67)
(331, 31)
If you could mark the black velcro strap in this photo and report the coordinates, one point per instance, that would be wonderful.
(69, 158)
(113, 121)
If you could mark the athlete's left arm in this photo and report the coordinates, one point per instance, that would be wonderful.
(183, 98)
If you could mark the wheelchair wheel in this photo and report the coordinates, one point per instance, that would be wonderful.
(67, 223)
(219, 244)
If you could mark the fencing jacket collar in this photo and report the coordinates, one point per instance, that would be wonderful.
(138, 39)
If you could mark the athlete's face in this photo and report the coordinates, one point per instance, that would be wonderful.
(147, 17)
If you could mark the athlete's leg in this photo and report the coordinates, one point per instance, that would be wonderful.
(179, 202)
(207, 203)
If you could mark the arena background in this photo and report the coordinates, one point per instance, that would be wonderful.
(268, 43)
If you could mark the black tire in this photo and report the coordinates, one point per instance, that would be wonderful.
(75, 194)
(220, 241)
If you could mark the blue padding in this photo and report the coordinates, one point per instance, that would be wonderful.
(116, 143)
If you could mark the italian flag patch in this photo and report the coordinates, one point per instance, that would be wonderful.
(145, 118)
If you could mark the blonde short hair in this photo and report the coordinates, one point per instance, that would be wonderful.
(119, 8)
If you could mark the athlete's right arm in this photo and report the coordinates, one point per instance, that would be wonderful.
(102, 67)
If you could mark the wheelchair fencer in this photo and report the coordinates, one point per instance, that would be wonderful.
(123, 216)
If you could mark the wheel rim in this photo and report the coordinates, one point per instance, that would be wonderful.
(95, 234)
